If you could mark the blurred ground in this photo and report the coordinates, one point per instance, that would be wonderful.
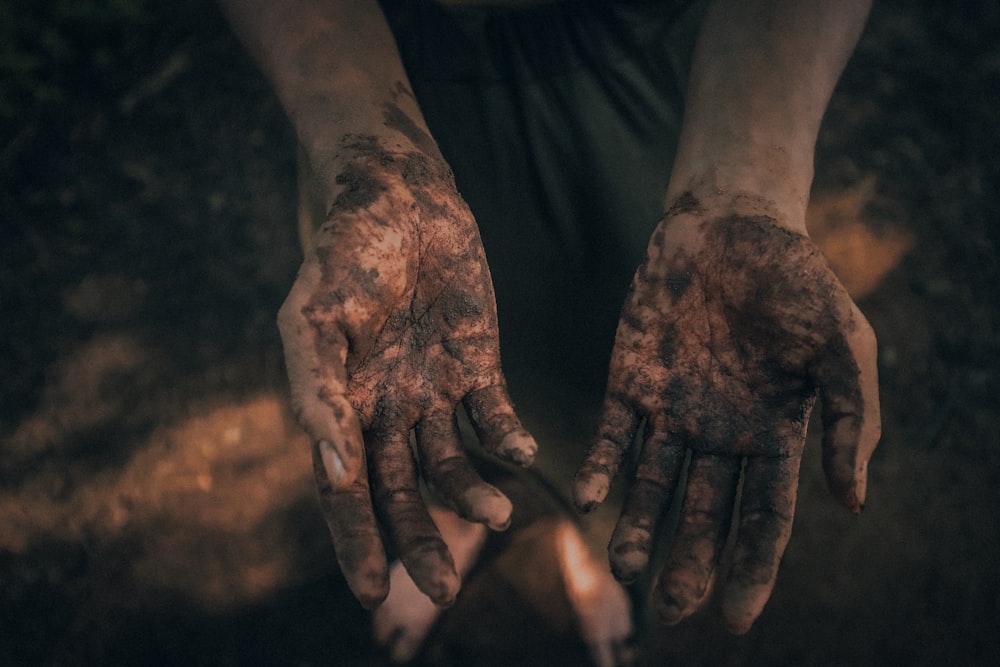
(156, 504)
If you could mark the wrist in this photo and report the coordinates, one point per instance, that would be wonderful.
(708, 199)
(390, 130)
(772, 180)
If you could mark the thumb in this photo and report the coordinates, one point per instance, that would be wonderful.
(318, 387)
(847, 376)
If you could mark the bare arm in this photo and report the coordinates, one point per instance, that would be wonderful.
(734, 322)
(761, 78)
(391, 323)
(335, 68)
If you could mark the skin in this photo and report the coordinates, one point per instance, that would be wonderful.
(777, 326)
(407, 617)
(391, 323)
(732, 326)
(734, 323)
(389, 327)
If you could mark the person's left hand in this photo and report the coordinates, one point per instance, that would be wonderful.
(732, 324)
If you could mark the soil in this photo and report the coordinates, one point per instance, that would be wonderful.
(156, 499)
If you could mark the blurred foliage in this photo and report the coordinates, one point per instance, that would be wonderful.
(52, 52)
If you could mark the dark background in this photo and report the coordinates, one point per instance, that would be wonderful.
(155, 498)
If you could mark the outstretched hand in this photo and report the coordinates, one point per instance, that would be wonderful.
(732, 325)
(390, 325)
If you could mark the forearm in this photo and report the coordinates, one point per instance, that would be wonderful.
(336, 70)
(762, 75)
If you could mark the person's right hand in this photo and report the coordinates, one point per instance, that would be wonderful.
(391, 324)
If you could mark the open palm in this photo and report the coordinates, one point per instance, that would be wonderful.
(732, 325)
(391, 325)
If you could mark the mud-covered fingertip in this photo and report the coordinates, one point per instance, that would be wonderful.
(852, 498)
(742, 605)
(500, 521)
(860, 488)
(489, 506)
(844, 495)
(627, 573)
(588, 493)
(371, 602)
(846, 476)
(499, 527)
(628, 561)
(854, 506)
(430, 565)
(445, 603)
(743, 599)
(585, 506)
(368, 577)
(849, 491)
(590, 488)
(518, 447)
(371, 589)
(586, 499)
(668, 610)
(738, 625)
(444, 592)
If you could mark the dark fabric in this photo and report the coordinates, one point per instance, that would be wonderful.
(560, 123)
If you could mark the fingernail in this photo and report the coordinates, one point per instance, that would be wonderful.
(669, 612)
(488, 505)
(519, 447)
(629, 558)
(332, 462)
(444, 603)
(861, 486)
(589, 491)
(739, 627)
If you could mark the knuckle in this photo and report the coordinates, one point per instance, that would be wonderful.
(761, 519)
(698, 521)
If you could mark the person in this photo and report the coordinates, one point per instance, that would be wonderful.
(558, 117)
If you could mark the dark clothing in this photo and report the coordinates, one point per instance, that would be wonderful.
(560, 122)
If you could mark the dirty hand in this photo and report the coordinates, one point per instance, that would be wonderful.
(391, 324)
(731, 326)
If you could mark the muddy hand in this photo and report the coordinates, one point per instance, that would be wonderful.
(390, 325)
(732, 325)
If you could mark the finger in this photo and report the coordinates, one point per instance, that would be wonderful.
(648, 497)
(500, 431)
(404, 620)
(450, 474)
(686, 578)
(356, 539)
(402, 510)
(600, 604)
(315, 355)
(765, 524)
(616, 428)
(847, 376)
